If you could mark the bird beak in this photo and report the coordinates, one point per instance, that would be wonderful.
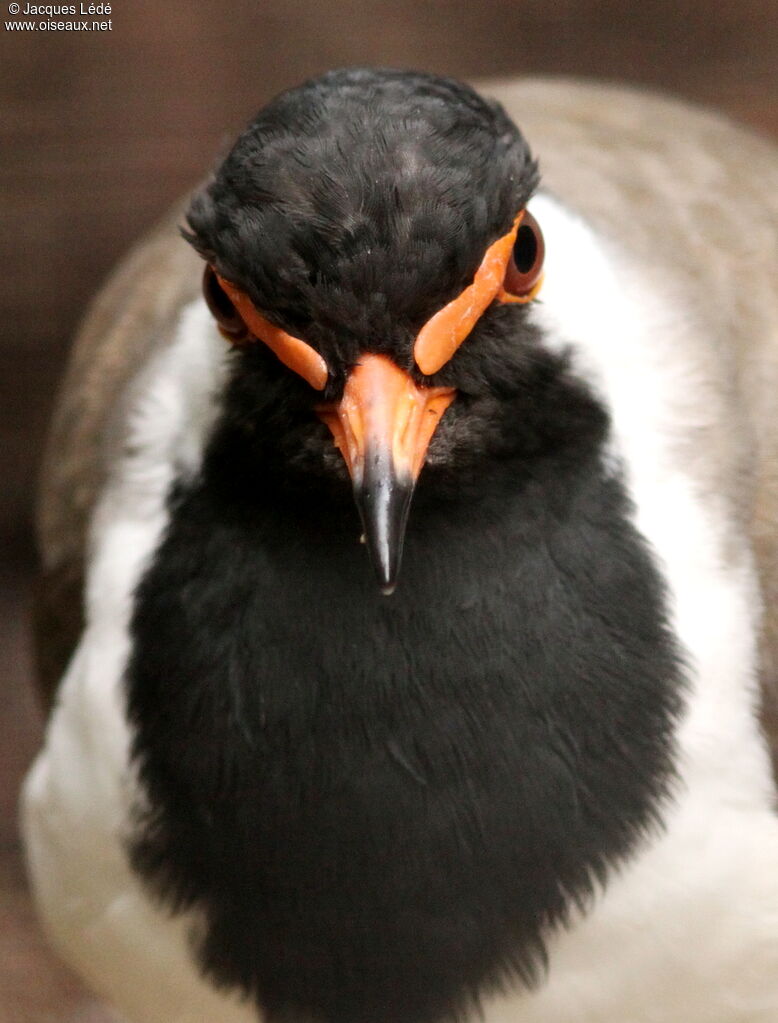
(383, 425)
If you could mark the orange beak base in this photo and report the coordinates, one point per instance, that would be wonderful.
(383, 425)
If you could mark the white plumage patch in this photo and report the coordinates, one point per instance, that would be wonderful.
(688, 931)
(80, 793)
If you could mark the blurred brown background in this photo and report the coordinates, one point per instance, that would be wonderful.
(100, 132)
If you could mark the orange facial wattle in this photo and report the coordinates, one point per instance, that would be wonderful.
(438, 339)
(444, 332)
(292, 351)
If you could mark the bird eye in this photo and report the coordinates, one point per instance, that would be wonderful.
(227, 317)
(524, 271)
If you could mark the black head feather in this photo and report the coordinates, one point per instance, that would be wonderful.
(357, 204)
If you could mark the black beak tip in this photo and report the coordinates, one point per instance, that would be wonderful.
(383, 499)
(385, 546)
(387, 573)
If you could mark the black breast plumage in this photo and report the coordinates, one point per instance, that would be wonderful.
(381, 805)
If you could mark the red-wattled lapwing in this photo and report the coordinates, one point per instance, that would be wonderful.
(530, 785)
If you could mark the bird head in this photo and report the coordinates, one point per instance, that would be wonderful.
(370, 254)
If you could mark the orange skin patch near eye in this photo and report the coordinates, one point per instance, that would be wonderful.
(506, 296)
(292, 351)
(444, 332)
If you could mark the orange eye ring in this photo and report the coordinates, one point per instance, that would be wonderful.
(524, 269)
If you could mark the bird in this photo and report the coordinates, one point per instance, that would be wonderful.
(409, 563)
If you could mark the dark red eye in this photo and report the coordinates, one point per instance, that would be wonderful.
(525, 267)
(227, 317)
